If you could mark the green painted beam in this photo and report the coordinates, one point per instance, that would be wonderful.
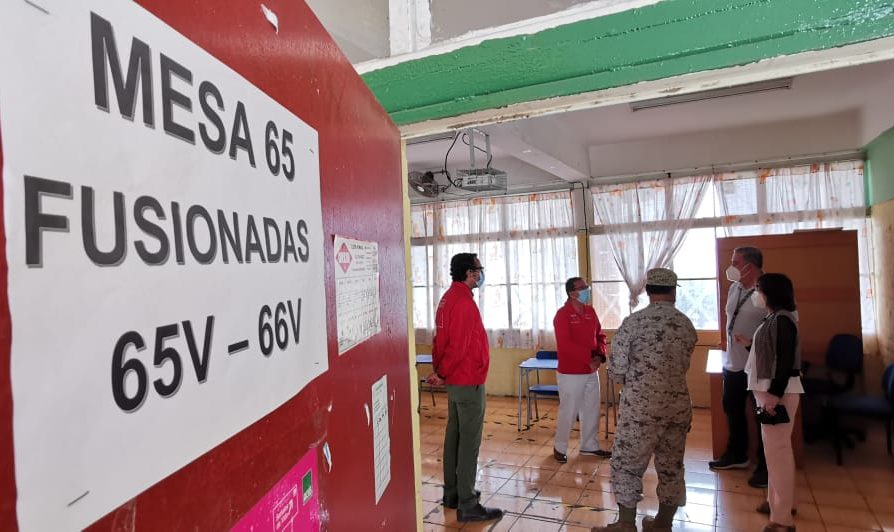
(670, 38)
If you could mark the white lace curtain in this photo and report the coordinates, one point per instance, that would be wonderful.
(813, 196)
(528, 244)
(817, 196)
(528, 248)
(646, 222)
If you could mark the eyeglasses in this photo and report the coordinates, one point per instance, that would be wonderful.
(476, 269)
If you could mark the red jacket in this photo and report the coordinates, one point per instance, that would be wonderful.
(577, 337)
(460, 354)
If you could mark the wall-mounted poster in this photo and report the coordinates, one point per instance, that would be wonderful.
(165, 248)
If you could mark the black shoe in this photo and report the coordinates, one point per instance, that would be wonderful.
(758, 479)
(561, 458)
(453, 502)
(478, 513)
(764, 508)
(729, 462)
(598, 452)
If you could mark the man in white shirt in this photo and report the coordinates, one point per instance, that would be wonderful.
(742, 319)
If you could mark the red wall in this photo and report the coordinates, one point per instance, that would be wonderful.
(360, 173)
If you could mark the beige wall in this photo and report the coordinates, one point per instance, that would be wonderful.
(883, 255)
(819, 134)
(502, 379)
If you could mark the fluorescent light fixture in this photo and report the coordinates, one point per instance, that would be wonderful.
(748, 88)
(431, 138)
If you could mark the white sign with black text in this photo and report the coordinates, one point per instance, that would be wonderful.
(165, 248)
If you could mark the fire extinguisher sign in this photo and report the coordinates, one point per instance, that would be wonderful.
(356, 291)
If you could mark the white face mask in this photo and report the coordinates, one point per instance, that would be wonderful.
(733, 274)
(758, 299)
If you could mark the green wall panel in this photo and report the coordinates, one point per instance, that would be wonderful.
(880, 157)
(671, 38)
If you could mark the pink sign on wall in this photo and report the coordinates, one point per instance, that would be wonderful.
(292, 505)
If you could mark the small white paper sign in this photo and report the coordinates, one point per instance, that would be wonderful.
(356, 291)
(381, 436)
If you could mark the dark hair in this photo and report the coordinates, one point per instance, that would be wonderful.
(779, 291)
(658, 290)
(751, 255)
(569, 284)
(460, 265)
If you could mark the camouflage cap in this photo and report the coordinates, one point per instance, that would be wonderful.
(661, 277)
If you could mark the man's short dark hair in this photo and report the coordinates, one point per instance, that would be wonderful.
(654, 289)
(460, 265)
(751, 255)
(569, 284)
(779, 290)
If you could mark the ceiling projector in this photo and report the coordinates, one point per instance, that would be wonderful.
(481, 179)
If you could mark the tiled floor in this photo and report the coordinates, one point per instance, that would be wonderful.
(518, 474)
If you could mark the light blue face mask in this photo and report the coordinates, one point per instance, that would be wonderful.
(480, 282)
(584, 296)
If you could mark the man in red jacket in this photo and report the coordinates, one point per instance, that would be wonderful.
(460, 358)
(581, 348)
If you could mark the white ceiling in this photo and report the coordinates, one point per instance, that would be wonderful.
(452, 18)
(824, 112)
(359, 27)
(362, 27)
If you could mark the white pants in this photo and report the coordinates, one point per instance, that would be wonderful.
(780, 460)
(578, 398)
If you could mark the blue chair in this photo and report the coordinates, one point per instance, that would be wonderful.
(844, 361)
(869, 406)
(547, 390)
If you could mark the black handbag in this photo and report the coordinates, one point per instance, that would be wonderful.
(765, 418)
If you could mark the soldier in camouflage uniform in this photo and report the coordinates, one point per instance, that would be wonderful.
(650, 355)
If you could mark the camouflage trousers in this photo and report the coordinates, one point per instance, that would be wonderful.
(639, 437)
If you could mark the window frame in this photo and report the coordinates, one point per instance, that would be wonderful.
(762, 217)
(499, 237)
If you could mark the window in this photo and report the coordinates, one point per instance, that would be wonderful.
(528, 244)
(611, 296)
(696, 296)
(528, 248)
(696, 269)
(420, 263)
(763, 201)
(648, 221)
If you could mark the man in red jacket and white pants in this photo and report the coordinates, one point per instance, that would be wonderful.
(460, 357)
(581, 347)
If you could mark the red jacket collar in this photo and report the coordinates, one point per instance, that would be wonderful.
(571, 308)
(458, 285)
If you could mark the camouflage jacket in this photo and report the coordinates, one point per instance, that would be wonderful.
(651, 351)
